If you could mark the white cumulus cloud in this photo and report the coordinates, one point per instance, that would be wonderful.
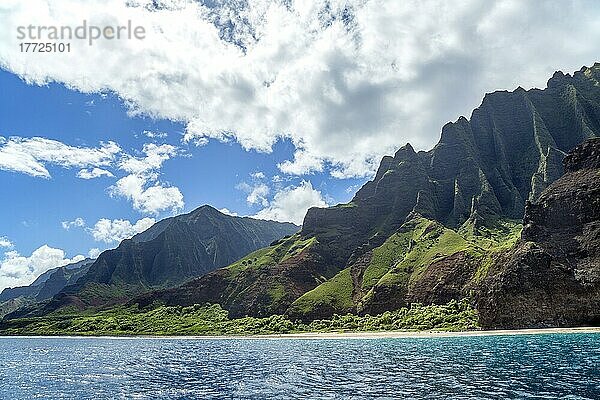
(155, 156)
(228, 212)
(147, 196)
(344, 80)
(116, 230)
(94, 253)
(257, 192)
(18, 270)
(258, 175)
(291, 203)
(32, 155)
(142, 186)
(5, 242)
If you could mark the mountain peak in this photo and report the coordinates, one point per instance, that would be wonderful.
(206, 209)
(405, 152)
(558, 78)
(594, 66)
(170, 252)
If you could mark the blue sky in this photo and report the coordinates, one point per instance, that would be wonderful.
(215, 173)
(260, 107)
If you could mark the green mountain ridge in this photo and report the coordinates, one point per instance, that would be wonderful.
(423, 262)
(169, 253)
(439, 214)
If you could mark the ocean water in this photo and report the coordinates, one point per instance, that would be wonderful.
(549, 366)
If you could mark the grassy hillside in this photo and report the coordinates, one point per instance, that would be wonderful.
(279, 251)
(406, 266)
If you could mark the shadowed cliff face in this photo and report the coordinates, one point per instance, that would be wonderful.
(482, 169)
(552, 276)
(184, 247)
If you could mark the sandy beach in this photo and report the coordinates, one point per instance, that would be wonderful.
(344, 335)
(405, 334)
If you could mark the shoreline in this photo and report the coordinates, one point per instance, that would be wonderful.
(332, 335)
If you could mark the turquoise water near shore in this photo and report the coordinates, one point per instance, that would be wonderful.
(545, 366)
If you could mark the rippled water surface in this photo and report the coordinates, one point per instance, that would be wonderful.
(565, 366)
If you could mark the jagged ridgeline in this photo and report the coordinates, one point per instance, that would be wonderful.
(428, 226)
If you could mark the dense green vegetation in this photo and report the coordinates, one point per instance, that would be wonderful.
(213, 320)
(431, 242)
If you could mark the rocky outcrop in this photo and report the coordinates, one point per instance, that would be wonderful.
(552, 276)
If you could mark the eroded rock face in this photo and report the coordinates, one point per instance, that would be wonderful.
(552, 276)
(483, 168)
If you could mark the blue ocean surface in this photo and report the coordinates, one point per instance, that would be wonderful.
(547, 366)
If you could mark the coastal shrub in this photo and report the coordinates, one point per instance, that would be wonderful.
(211, 319)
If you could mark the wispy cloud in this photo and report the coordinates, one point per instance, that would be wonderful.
(32, 155)
(94, 173)
(76, 223)
(141, 183)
